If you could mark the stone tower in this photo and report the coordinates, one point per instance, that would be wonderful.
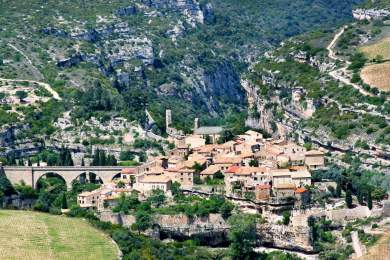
(168, 118)
(196, 123)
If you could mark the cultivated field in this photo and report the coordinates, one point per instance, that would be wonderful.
(381, 48)
(33, 235)
(377, 75)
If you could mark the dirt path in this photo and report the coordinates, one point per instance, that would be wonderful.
(357, 246)
(45, 85)
(21, 52)
(332, 44)
(339, 74)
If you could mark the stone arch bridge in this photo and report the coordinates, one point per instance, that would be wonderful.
(31, 175)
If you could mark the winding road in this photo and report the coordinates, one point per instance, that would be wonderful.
(340, 74)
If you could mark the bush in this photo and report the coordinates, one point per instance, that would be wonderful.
(55, 211)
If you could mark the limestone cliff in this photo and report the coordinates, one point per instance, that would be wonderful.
(213, 229)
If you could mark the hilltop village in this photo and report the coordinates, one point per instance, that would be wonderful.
(249, 166)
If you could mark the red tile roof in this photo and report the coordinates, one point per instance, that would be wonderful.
(263, 186)
(128, 170)
(300, 190)
(233, 169)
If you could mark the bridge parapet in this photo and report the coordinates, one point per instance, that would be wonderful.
(31, 175)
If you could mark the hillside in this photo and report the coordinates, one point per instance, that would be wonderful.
(33, 235)
(137, 55)
(309, 89)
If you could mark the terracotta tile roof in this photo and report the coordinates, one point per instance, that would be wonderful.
(263, 186)
(284, 186)
(227, 159)
(301, 174)
(300, 190)
(211, 170)
(155, 179)
(313, 153)
(233, 169)
(128, 170)
(280, 172)
(297, 168)
(205, 148)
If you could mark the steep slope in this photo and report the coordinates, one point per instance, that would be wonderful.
(146, 54)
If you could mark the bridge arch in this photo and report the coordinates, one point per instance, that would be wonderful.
(31, 175)
(116, 176)
(88, 177)
(50, 174)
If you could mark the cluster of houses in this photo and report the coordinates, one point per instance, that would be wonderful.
(369, 14)
(249, 166)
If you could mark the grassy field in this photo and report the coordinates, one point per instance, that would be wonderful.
(382, 48)
(33, 235)
(377, 75)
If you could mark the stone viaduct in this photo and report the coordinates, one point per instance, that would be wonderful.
(31, 175)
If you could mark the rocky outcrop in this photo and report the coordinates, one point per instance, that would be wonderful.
(125, 11)
(218, 87)
(190, 8)
(213, 229)
(54, 32)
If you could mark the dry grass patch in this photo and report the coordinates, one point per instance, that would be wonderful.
(377, 75)
(33, 235)
(381, 250)
(381, 48)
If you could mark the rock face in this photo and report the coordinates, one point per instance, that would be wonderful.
(189, 8)
(213, 230)
(125, 11)
(288, 237)
(222, 81)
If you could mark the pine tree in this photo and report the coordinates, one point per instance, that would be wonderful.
(62, 157)
(64, 202)
(82, 162)
(95, 160)
(111, 160)
(21, 162)
(68, 161)
(360, 197)
(29, 162)
(102, 158)
(11, 160)
(348, 198)
(369, 200)
(338, 190)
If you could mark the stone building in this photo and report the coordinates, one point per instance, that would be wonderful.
(147, 183)
(302, 197)
(314, 159)
(213, 132)
(263, 192)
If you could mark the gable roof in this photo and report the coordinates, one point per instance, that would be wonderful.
(208, 130)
